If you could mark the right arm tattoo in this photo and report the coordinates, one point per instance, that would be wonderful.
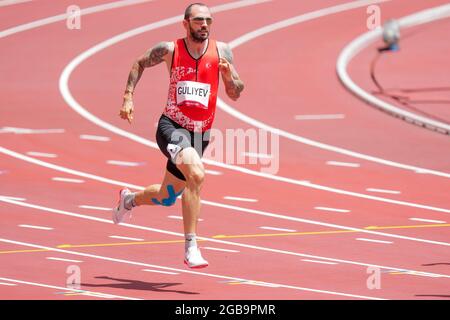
(151, 58)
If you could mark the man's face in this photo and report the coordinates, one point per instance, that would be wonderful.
(199, 23)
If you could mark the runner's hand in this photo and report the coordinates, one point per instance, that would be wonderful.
(127, 110)
(225, 68)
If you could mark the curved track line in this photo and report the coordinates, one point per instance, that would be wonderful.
(366, 39)
(128, 225)
(211, 203)
(64, 16)
(211, 275)
(70, 100)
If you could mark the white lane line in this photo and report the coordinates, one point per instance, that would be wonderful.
(427, 220)
(317, 261)
(373, 240)
(66, 288)
(240, 199)
(65, 260)
(331, 209)
(126, 238)
(70, 180)
(124, 163)
(221, 205)
(29, 131)
(217, 276)
(5, 3)
(213, 172)
(94, 138)
(181, 218)
(278, 229)
(41, 154)
(319, 116)
(13, 198)
(34, 227)
(383, 191)
(159, 271)
(65, 16)
(243, 245)
(95, 208)
(220, 249)
(257, 155)
(343, 164)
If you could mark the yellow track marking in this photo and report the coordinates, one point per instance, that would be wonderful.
(230, 236)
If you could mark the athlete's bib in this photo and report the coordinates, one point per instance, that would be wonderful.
(195, 94)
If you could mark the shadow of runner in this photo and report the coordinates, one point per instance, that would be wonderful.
(137, 285)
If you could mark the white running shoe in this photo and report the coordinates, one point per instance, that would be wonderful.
(119, 212)
(193, 258)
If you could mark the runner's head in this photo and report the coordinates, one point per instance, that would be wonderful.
(197, 22)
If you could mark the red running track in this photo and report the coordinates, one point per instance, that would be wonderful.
(311, 254)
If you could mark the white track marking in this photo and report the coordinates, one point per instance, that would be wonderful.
(213, 172)
(7, 284)
(136, 263)
(69, 180)
(64, 89)
(220, 249)
(215, 204)
(126, 238)
(5, 3)
(30, 131)
(181, 218)
(317, 261)
(95, 208)
(94, 138)
(240, 199)
(13, 198)
(159, 271)
(343, 164)
(175, 217)
(427, 220)
(373, 240)
(71, 214)
(278, 229)
(124, 163)
(331, 209)
(64, 16)
(41, 154)
(257, 155)
(370, 37)
(96, 294)
(35, 227)
(319, 116)
(64, 260)
(383, 191)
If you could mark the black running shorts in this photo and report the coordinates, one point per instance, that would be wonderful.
(172, 138)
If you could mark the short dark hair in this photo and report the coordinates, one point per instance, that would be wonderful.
(187, 12)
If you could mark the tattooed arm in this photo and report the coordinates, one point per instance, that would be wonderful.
(159, 53)
(230, 77)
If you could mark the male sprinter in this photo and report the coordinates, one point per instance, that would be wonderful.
(194, 64)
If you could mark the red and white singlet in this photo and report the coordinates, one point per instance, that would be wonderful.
(193, 87)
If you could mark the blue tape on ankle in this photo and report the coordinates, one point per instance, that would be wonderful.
(167, 202)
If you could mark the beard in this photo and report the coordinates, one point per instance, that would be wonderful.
(197, 36)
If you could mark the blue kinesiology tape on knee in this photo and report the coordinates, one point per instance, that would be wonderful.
(171, 199)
